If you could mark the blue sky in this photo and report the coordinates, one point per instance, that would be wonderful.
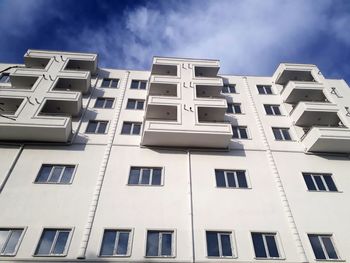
(250, 37)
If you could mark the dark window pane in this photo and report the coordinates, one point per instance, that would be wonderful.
(45, 242)
(309, 183)
(146, 173)
(134, 84)
(235, 132)
(122, 248)
(261, 90)
(99, 103)
(114, 83)
(136, 129)
(134, 176)
(126, 129)
(237, 109)
(243, 132)
(329, 181)
(61, 242)
(143, 85)
(268, 109)
(109, 103)
(166, 244)
(316, 247)
(231, 179)
(152, 243)
(232, 89)
(91, 126)
(268, 90)
(225, 89)
(44, 173)
(258, 243)
(229, 108)
(12, 242)
(212, 244)
(271, 246)
(327, 242)
(242, 181)
(105, 83)
(3, 237)
(220, 178)
(140, 105)
(67, 174)
(319, 183)
(226, 245)
(102, 127)
(157, 177)
(286, 134)
(55, 175)
(131, 104)
(277, 110)
(277, 134)
(108, 242)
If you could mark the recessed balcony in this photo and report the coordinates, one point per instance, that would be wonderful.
(72, 84)
(303, 91)
(161, 113)
(163, 89)
(206, 71)
(308, 114)
(81, 65)
(208, 91)
(36, 62)
(327, 139)
(22, 82)
(211, 114)
(164, 70)
(9, 106)
(295, 75)
(62, 107)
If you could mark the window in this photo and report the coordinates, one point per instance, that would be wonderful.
(319, 182)
(9, 241)
(145, 176)
(219, 244)
(281, 134)
(53, 242)
(231, 178)
(265, 245)
(116, 243)
(239, 132)
(234, 108)
(55, 174)
(133, 128)
(229, 88)
(159, 243)
(97, 127)
(272, 109)
(138, 84)
(135, 104)
(323, 246)
(110, 83)
(4, 78)
(264, 89)
(104, 103)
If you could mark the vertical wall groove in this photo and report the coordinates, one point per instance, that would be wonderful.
(102, 172)
(278, 181)
(191, 205)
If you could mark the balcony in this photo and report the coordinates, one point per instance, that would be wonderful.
(161, 112)
(327, 139)
(9, 106)
(164, 70)
(73, 84)
(296, 91)
(22, 81)
(307, 114)
(58, 107)
(210, 71)
(163, 89)
(208, 91)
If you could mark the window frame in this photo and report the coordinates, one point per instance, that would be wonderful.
(264, 86)
(5, 74)
(229, 86)
(278, 242)
(53, 165)
(322, 175)
(273, 110)
(236, 179)
(110, 83)
(281, 133)
(132, 128)
(139, 84)
(232, 239)
(162, 176)
(232, 105)
(98, 125)
(130, 242)
(11, 228)
(104, 103)
(239, 133)
(66, 249)
(331, 236)
(173, 242)
(136, 103)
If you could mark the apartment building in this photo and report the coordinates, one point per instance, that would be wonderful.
(176, 164)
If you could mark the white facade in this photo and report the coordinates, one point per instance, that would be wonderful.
(174, 154)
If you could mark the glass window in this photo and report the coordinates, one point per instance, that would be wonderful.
(110, 83)
(116, 243)
(219, 244)
(231, 178)
(138, 84)
(134, 104)
(281, 134)
(239, 132)
(323, 246)
(104, 103)
(55, 174)
(145, 176)
(265, 245)
(4, 78)
(229, 88)
(159, 243)
(272, 109)
(53, 242)
(319, 182)
(264, 89)
(9, 241)
(234, 108)
(98, 127)
(133, 128)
